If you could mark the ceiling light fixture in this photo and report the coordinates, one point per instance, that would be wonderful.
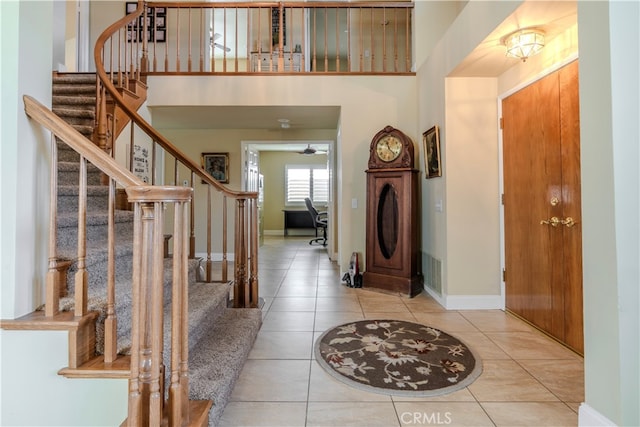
(524, 43)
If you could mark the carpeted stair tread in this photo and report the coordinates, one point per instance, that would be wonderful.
(69, 173)
(68, 219)
(219, 356)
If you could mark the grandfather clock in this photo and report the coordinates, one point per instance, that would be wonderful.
(393, 232)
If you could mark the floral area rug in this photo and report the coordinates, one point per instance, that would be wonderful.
(397, 358)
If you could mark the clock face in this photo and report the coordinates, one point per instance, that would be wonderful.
(388, 148)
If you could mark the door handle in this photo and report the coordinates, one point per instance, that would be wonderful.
(554, 221)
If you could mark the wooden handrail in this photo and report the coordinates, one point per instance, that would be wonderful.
(75, 140)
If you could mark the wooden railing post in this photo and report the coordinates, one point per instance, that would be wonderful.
(240, 294)
(146, 388)
(253, 276)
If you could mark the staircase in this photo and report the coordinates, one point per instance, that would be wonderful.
(220, 337)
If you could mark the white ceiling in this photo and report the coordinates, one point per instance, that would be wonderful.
(487, 60)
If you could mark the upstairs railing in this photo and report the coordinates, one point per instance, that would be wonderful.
(266, 37)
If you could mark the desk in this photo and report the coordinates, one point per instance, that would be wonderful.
(297, 219)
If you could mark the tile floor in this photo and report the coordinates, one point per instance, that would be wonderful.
(527, 380)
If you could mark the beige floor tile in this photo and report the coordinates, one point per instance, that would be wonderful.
(264, 414)
(463, 395)
(448, 321)
(272, 381)
(536, 414)
(296, 291)
(324, 388)
(293, 304)
(407, 317)
(342, 303)
(442, 413)
(344, 414)
(565, 378)
(372, 294)
(481, 345)
(495, 321)
(288, 321)
(425, 304)
(333, 290)
(506, 381)
(530, 345)
(282, 345)
(328, 319)
(371, 305)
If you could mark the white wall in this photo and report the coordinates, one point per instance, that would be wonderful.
(609, 111)
(472, 192)
(368, 104)
(469, 257)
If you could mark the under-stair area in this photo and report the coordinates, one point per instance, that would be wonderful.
(220, 337)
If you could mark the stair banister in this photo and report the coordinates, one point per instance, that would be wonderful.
(242, 232)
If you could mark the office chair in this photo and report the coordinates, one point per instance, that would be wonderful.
(319, 221)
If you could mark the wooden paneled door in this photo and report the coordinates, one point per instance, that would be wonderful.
(542, 230)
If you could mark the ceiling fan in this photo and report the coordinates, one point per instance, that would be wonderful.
(215, 37)
(309, 151)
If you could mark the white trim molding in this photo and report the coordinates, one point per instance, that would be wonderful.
(474, 302)
(589, 417)
(467, 302)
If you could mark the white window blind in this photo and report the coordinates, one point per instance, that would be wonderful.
(306, 181)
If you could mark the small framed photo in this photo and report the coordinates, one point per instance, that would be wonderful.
(131, 6)
(132, 35)
(160, 36)
(217, 165)
(160, 21)
(431, 142)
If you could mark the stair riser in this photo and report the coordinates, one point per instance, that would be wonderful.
(81, 122)
(74, 89)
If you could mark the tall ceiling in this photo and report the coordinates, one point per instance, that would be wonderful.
(487, 60)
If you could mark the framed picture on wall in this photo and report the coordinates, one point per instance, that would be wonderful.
(217, 165)
(431, 142)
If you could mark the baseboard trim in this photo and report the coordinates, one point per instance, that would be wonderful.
(589, 417)
(467, 302)
(474, 302)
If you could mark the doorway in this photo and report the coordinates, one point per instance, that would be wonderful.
(542, 205)
(269, 161)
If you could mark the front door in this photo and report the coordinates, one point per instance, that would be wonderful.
(543, 238)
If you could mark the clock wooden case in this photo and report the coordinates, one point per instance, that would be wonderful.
(392, 255)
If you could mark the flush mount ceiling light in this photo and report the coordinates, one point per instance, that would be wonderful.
(524, 43)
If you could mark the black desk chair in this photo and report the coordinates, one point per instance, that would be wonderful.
(319, 221)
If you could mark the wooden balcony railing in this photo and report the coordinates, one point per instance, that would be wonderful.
(267, 37)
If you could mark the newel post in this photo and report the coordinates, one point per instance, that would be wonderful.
(146, 382)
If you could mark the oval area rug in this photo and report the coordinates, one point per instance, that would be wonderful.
(397, 358)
